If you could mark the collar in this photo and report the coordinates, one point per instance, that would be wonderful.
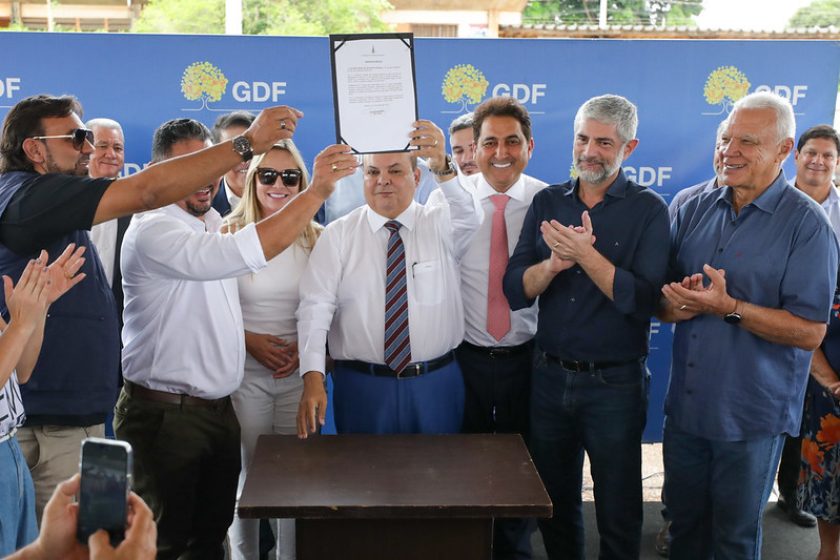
(231, 196)
(407, 218)
(766, 201)
(485, 190)
(618, 188)
(833, 197)
(212, 219)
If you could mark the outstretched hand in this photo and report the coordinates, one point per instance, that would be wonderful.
(64, 271)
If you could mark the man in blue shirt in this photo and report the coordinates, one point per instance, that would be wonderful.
(594, 250)
(755, 264)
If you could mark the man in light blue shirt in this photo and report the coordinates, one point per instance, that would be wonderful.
(754, 266)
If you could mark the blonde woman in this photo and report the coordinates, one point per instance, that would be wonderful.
(267, 400)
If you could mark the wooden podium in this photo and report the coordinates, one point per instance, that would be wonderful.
(396, 497)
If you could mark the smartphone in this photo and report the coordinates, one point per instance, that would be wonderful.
(106, 481)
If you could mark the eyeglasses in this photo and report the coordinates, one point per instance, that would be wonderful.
(268, 176)
(78, 136)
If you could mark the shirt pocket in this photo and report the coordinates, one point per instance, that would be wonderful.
(428, 282)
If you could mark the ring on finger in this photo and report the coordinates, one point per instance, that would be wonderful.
(683, 307)
(436, 143)
(283, 125)
(334, 168)
(557, 244)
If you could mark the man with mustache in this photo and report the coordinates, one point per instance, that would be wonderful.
(462, 142)
(184, 347)
(594, 250)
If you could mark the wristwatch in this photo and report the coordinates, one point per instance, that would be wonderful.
(450, 168)
(733, 318)
(242, 146)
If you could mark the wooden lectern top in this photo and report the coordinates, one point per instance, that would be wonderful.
(393, 476)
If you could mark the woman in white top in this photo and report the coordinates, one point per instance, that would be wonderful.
(267, 400)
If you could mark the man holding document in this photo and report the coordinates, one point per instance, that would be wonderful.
(382, 287)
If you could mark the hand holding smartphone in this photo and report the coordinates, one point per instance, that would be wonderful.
(105, 484)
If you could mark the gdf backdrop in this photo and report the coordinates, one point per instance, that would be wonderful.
(683, 90)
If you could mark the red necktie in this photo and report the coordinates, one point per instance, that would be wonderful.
(498, 309)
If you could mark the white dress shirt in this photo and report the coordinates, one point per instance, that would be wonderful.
(104, 238)
(475, 265)
(183, 325)
(233, 199)
(343, 288)
(831, 205)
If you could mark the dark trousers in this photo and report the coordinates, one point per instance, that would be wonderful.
(186, 467)
(789, 469)
(497, 394)
(604, 413)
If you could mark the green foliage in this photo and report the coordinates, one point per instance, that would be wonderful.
(265, 17)
(585, 12)
(819, 13)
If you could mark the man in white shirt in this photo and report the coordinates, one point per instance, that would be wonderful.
(107, 161)
(462, 142)
(184, 346)
(816, 160)
(391, 329)
(496, 354)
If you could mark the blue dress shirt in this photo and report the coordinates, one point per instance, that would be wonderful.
(576, 320)
(778, 252)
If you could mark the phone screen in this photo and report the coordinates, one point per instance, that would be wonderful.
(103, 497)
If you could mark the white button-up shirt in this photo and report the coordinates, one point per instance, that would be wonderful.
(342, 290)
(831, 205)
(183, 325)
(475, 265)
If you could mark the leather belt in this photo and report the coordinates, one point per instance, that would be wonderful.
(147, 394)
(500, 351)
(582, 366)
(415, 369)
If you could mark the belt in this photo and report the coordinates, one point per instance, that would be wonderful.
(588, 366)
(500, 351)
(9, 436)
(415, 369)
(146, 394)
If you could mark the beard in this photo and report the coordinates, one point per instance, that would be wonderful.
(79, 170)
(199, 210)
(595, 176)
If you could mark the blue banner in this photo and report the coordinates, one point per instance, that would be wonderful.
(683, 90)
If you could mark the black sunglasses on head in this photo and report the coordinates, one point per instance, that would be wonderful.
(79, 136)
(268, 176)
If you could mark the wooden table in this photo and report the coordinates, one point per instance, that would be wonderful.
(400, 497)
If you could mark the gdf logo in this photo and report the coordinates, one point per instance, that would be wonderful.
(205, 82)
(724, 86)
(467, 85)
(8, 87)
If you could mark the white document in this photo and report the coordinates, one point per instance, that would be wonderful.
(374, 91)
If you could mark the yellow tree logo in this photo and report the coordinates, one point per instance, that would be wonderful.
(464, 84)
(724, 87)
(202, 80)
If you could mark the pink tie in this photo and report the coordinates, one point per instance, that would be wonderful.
(498, 309)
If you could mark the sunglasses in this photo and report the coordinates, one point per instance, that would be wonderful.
(268, 176)
(78, 137)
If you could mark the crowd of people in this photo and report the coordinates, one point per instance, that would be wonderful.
(218, 289)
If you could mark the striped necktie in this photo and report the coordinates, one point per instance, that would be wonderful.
(397, 345)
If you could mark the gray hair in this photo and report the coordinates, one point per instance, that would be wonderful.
(460, 123)
(785, 121)
(721, 129)
(611, 109)
(105, 123)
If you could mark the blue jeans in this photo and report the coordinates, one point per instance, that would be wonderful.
(603, 412)
(18, 526)
(717, 491)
